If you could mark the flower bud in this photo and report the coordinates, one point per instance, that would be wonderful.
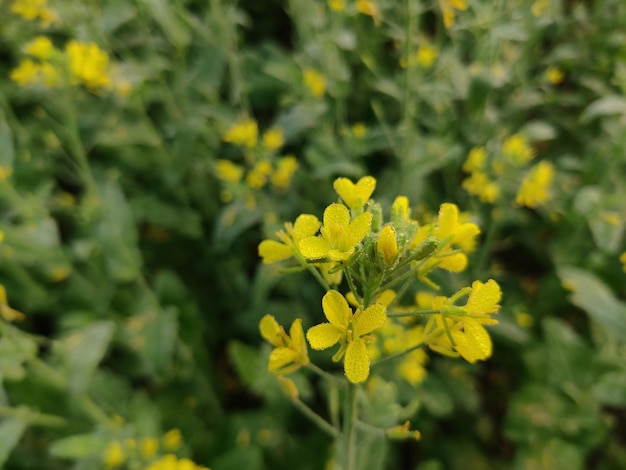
(387, 245)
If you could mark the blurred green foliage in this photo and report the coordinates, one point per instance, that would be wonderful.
(135, 266)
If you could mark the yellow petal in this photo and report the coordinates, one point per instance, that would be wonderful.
(305, 225)
(359, 228)
(454, 263)
(373, 317)
(475, 344)
(357, 362)
(314, 247)
(464, 232)
(323, 336)
(270, 330)
(355, 195)
(484, 298)
(448, 219)
(281, 357)
(272, 251)
(297, 337)
(387, 245)
(339, 255)
(336, 309)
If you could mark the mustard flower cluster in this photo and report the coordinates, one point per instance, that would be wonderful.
(34, 10)
(495, 176)
(262, 166)
(379, 261)
(149, 453)
(78, 64)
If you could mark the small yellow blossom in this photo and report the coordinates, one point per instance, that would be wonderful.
(88, 65)
(462, 330)
(273, 139)
(426, 56)
(534, 190)
(34, 9)
(622, 259)
(337, 5)
(258, 175)
(403, 431)
(387, 245)
(355, 195)
(5, 172)
(451, 232)
(350, 330)
(478, 184)
(315, 82)
(228, 171)
(40, 47)
(539, 7)
(244, 132)
(171, 462)
(285, 169)
(148, 446)
(290, 351)
(26, 73)
(517, 150)
(359, 130)
(305, 225)
(400, 211)
(448, 8)
(369, 8)
(524, 320)
(476, 159)
(114, 455)
(339, 235)
(7, 313)
(555, 75)
(172, 439)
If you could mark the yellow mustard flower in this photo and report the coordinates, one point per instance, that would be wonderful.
(359, 130)
(461, 327)
(476, 159)
(273, 139)
(171, 462)
(555, 75)
(387, 245)
(539, 7)
(26, 73)
(228, 171)
(355, 195)
(517, 150)
(350, 330)
(403, 431)
(88, 65)
(369, 8)
(244, 133)
(258, 175)
(114, 455)
(148, 446)
(290, 351)
(305, 225)
(534, 190)
(448, 8)
(285, 169)
(426, 56)
(479, 184)
(34, 9)
(622, 259)
(524, 319)
(394, 338)
(7, 313)
(172, 439)
(451, 232)
(40, 47)
(339, 236)
(337, 5)
(315, 82)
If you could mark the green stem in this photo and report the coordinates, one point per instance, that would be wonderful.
(397, 355)
(33, 417)
(487, 247)
(415, 313)
(324, 374)
(315, 418)
(349, 435)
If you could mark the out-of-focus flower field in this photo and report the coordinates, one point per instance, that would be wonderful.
(312, 234)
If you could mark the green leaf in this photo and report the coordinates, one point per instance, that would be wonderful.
(593, 296)
(76, 447)
(11, 430)
(83, 350)
(605, 106)
(166, 17)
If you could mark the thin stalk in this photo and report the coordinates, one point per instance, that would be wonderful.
(414, 313)
(349, 436)
(398, 355)
(322, 373)
(33, 417)
(315, 418)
